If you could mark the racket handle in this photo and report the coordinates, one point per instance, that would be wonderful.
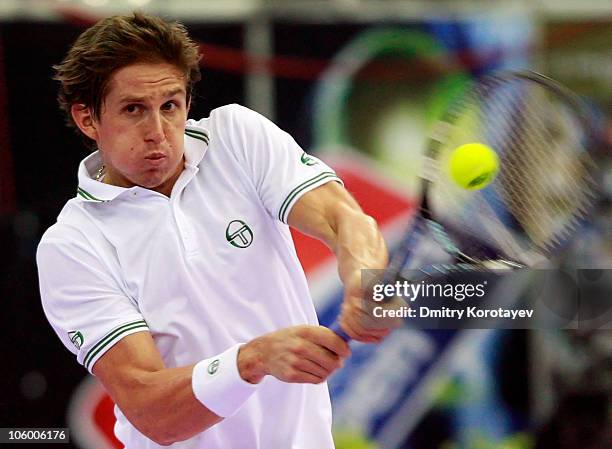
(339, 331)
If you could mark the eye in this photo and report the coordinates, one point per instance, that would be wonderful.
(169, 106)
(132, 108)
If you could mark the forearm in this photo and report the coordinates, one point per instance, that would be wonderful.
(162, 404)
(357, 243)
(332, 215)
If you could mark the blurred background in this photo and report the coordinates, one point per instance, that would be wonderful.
(357, 83)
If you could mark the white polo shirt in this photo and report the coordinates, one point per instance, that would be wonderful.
(209, 267)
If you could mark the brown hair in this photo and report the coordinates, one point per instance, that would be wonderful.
(116, 42)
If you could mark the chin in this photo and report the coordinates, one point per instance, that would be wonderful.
(153, 184)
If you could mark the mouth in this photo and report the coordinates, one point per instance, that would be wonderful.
(155, 158)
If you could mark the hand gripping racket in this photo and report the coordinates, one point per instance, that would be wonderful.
(544, 191)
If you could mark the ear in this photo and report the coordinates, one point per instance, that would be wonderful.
(84, 120)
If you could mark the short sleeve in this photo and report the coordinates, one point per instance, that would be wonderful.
(280, 169)
(81, 299)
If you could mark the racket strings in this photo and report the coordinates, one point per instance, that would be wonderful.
(465, 209)
(576, 165)
(500, 236)
(551, 193)
(525, 179)
(521, 165)
(534, 197)
(544, 182)
(560, 149)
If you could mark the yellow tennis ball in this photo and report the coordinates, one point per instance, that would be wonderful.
(473, 166)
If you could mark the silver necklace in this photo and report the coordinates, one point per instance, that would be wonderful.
(100, 173)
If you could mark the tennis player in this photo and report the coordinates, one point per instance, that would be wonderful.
(172, 274)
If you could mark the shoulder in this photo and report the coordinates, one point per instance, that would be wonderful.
(71, 229)
(240, 131)
(60, 237)
(228, 117)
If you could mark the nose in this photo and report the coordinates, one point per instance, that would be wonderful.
(155, 129)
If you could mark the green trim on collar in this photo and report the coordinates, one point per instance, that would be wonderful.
(88, 196)
(197, 134)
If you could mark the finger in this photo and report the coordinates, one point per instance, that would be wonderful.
(295, 376)
(353, 319)
(310, 367)
(327, 339)
(379, 337)
(377, 333)
(326, 359)
(351, 329)
(363, 325)
(358, 332)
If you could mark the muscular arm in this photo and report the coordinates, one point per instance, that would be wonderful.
(158, 401)
(330, 214)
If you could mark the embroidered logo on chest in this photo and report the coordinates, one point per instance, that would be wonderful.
(239, 234)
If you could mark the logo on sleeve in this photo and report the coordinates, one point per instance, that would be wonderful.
(307, 160)
(213, 367)
(76, 337)
(239, 234)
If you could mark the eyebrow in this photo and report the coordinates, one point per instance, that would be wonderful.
(167, 94)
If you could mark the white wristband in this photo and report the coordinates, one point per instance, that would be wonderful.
(217, 384)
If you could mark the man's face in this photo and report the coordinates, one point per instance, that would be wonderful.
(141, 125)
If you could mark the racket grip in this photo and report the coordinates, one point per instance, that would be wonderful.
(335, 326)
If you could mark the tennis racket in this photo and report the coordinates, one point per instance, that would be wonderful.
(543, 193)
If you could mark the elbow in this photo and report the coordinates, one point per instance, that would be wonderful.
(166, 435)
(163, 438)
(159, 436)
(166, 442)
(167, 439)
(157, 430)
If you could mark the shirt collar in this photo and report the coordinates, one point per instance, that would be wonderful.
(91, 190)
(196, 143)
